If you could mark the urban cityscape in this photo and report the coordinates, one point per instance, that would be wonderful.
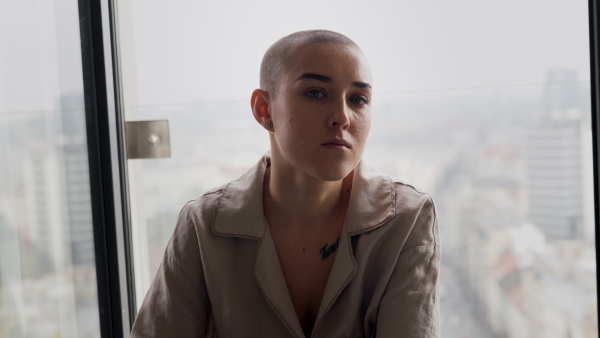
(510, 170)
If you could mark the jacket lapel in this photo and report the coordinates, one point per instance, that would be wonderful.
(270, 279)
(239, 213)
(342, 272)
(372, 203)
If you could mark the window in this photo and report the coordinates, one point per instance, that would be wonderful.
(486, 106)
(47, 262)
(473, 103)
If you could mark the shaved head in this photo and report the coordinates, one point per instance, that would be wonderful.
(279, 58)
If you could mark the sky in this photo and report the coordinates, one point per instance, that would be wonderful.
(206, 51)
(186, 51)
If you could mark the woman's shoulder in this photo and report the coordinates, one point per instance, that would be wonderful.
(203, 206)
(415, 215)
(406, 197)
(409, 197)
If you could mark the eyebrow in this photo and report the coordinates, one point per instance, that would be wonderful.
(361, 84)
(324, 78)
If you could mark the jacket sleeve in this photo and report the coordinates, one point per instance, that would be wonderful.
(177, 303)
(410, 304)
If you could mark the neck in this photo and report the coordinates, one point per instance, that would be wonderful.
(304, 203)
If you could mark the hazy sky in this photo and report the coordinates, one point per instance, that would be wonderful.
(191, 50)
(40, 54)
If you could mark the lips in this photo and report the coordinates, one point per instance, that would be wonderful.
(337, 142)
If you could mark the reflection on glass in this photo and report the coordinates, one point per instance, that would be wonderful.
(47, 264)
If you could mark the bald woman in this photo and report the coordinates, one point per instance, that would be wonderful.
(311, 241)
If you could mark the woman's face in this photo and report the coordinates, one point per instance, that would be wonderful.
(322, 111)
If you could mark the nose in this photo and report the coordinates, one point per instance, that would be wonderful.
(339, 115)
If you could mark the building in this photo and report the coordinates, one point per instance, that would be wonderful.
(555, 157)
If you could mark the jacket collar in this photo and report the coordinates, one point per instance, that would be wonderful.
(240, 212)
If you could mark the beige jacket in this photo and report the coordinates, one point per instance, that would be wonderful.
(221, 272)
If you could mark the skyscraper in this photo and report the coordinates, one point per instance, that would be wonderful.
(73, 147)
(554, 159)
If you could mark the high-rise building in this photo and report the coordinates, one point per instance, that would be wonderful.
(73, 148)
(78, 202)
(58, 188)
(562, 91)
(555, 157)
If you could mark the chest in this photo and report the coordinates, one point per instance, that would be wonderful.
(306, 264)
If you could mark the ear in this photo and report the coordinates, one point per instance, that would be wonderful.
(260, 108)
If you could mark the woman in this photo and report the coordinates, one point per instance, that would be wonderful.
(310, 241)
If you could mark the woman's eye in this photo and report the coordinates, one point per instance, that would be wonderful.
(359, 100)
(315, 94)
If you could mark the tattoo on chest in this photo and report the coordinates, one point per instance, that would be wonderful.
(327, 251)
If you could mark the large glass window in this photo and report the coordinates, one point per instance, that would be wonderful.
(484, 105)
(47, 265)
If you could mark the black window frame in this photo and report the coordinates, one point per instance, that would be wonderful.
(594, 16)
(107, 166)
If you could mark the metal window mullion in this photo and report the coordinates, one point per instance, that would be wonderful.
(121, 160)
(107, 176)
(594, 16)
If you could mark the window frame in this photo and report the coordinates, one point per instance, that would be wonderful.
(594, 16)
(107, 167)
